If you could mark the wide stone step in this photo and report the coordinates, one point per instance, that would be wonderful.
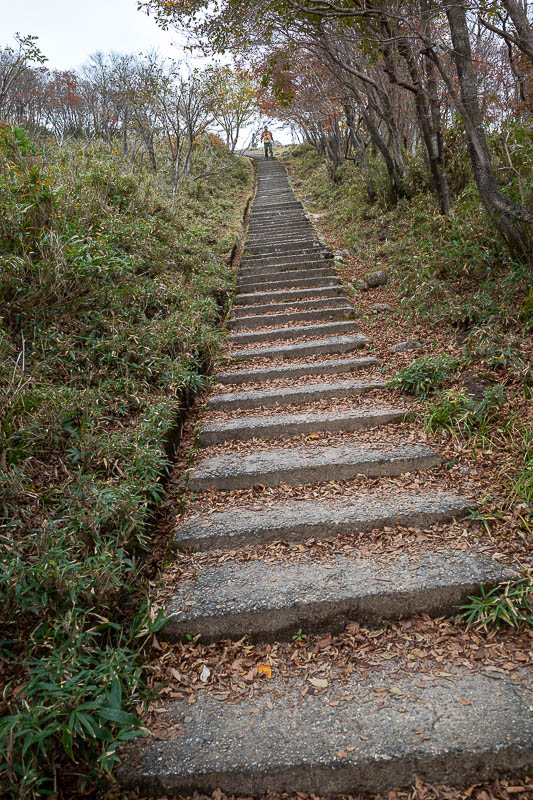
(265, 374)
(274, 204)
(308, 393)
(292, 222)
(303, 465)
(336, 345)
(293, 282)
(260, 228)
(296, 245)
(305, 254)
(272, 426)
(272, 601)
(322, 303)
(294, 332)
(256, 298)
(281, 196)
(316, 263)
(277, 236)
(291, 261)
(300, 273)
(268, 207)
(298, 521)
(314, 314)
(463, 729)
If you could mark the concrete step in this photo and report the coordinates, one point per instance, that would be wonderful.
(259, 228)
(290, 222)
(299, 264)
(463, 729)
(277, 259)
(303, 465)
(300, 273)
(292, 282)
(286, 395)
(272, 426)
(301, 520)
(297, 245)
(271, 203)
(312, 315)
(268, 207)
(315, 347)
(294, 332)
(261, 297)
(310, 261)
(272, 601)
(266, 374)
(323, 303)
(269, 236)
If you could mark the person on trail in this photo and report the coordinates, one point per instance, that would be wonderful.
(267, 139)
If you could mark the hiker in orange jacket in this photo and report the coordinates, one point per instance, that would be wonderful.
(267, 139)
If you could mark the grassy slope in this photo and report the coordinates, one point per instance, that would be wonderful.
(111, 293)
(461, 294)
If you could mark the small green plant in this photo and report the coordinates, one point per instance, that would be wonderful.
(300, 636)
(425, 376)
(509, 603)
(456, 411)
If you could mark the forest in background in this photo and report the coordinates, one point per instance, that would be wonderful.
(363, 76)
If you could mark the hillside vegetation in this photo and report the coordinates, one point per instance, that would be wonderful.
(111, 294)
(457, 286)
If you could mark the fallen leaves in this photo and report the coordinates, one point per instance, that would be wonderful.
(319, 683)
(265, 669)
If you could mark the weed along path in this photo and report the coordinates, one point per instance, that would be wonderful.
(323, 529)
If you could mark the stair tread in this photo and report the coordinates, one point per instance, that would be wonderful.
(262, 600)
(332, 367)
(475, 726)
(262, 321)
(332, 345)
(272, 426)
(291, 394)
(294, 331)
(304, 519)
(301, 465)
(252, 298)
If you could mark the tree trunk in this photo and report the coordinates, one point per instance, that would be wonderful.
(514, 221)
(524, 31)
(394, 169)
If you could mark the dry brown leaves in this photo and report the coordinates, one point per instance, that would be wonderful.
(499, 789)
(420, 646)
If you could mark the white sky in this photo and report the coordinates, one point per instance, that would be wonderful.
(71, 30)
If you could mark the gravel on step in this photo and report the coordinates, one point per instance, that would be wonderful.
(275, 425)
(272, 601)
(368, 734)
(295, 394)
(301, 520)
(334, 366)
(309, 465)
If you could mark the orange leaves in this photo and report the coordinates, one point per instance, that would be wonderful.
(264, 669)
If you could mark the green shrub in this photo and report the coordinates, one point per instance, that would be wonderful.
(508, 604)
(425, 376)
(456, 411)
(110, 293)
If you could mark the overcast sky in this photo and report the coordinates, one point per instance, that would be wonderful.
(71, 30)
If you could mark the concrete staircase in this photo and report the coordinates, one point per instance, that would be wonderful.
(290, 305)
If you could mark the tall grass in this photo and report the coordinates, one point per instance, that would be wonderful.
(110, 292)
